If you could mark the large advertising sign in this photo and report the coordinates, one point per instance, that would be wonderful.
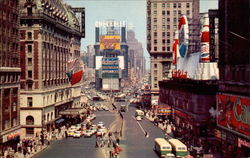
(110, 42)
(234, 113)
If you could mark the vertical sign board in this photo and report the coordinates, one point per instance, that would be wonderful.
(234, 113)
(82, 19)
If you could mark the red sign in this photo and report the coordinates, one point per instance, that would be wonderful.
(179, 74)
(234, 113)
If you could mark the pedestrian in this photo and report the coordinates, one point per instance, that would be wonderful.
(96, 144)
(118, 140)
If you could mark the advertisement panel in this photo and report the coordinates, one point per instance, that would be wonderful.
(110, 42)
(234, 113)
(98, 62)
(121, 62)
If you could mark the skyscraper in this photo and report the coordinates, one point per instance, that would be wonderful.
(162, 22)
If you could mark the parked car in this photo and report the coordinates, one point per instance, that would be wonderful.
(77, 134)
(71, 133)
(100, 124)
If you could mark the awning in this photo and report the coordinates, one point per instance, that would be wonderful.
(60, 120)
(73, 111)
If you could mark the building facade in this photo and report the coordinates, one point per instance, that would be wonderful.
(9, 75)
(162, 22)
(233, 98)
(136, 57)
(49, 37)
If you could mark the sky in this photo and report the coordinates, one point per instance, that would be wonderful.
(131, 11)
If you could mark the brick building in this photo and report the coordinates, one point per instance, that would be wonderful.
(49, 37)
(9, 75)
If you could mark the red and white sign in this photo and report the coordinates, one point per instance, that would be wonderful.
(243, 143)
(234, 113)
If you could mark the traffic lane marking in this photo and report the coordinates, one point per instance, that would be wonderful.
(144, 132)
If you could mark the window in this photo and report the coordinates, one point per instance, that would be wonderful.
(29, 61)
(163, 20)
(155, 78)
(29, 86)
(155, 65)
(163, 48)
(14, 107)
(168, 41)
(188, 12)
(155, 19)
(168, 12)
(29, 74)
(179, 12)
(175, 13)
(29, 35)
(29, 120)
(168, 26)
(155, 56)
(188, 5)
(155, 5)
(163, 27)
(163, 34)
(163, 41)
(179, 5)
(29, 48)
(155, 34)
(168, 19)
(175, 20)
(14, 121)
(155, 85)
(6, 124)
(175, 5)
(29, 131)
(163, 5)
(30, 102)
(163, 12)
(168, 34)
(155, 12)
(168, 49)
(155, 48)
(155, 72)
(168, 5)
(155, 41)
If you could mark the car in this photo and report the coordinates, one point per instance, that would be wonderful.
(77, 134)
(100, 124)
(138, 118)
(92, 116)
(70, 133)
(88, 133)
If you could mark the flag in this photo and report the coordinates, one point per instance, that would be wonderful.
(75, 71)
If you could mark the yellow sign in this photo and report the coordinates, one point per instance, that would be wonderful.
(110, 42)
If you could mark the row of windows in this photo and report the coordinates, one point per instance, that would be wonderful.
(163, 49)
(163, 41)
(168, 12)
(7, 123)
(9, 77)
(174, 5)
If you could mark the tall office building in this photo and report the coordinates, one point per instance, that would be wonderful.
(136, 57)
(49, 37)
(162, 22)
(233, 99)
(9, 75)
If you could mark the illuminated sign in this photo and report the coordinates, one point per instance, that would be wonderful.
(110, 23)
(110, 42)
(234, 113)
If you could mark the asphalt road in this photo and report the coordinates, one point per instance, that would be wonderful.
(133, 141)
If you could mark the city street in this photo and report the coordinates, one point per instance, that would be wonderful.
(133, 141)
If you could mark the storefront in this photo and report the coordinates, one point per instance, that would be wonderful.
(9, 141)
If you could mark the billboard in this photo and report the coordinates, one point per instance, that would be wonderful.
(110, 42)
(98, 62)
(234, 113)
(121, 62)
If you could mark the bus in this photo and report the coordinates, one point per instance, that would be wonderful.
(139, 113)
(162, 147)
(179, 149)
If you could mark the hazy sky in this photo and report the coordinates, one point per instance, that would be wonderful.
(131, 11)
